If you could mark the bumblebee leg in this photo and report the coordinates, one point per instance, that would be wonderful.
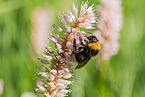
(74, 44)
(75, 48)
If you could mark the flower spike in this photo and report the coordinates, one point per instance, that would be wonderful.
(55, 71)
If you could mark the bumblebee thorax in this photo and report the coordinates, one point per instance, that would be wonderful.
(94, 45)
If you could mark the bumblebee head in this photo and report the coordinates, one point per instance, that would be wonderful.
(92, 39)
(94, 43)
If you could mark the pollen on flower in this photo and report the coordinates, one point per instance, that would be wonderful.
(57, 74)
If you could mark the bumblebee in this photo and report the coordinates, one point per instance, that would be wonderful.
(85, 52)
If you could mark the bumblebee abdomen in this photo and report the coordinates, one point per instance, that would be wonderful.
(94, 52)
(82, 55)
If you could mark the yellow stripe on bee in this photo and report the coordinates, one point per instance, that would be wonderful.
(95, 45)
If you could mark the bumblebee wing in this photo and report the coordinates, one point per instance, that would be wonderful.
(80, 65)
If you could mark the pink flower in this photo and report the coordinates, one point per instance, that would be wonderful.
(108, 27)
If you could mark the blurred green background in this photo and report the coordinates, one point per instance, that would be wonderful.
(123, 74)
